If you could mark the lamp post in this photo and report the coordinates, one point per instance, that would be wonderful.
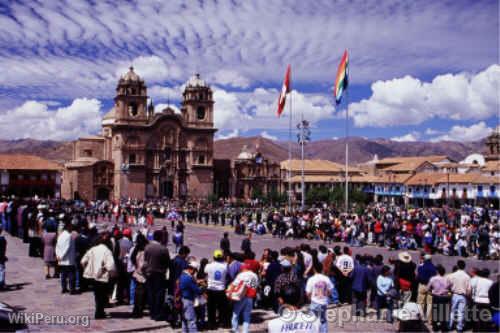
(303, 137)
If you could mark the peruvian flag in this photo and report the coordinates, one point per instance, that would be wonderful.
(284, 90)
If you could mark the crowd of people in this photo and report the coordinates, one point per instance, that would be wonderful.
(115, 250)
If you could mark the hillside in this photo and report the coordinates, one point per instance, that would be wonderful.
(360, 149)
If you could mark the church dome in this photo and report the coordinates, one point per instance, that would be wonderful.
(196, 82)
(131, 76)
(245, 154)
(110, 115)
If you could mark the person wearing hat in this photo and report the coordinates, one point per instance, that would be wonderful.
(286, 278)
(189, 291)
(216, 298)
(404, 274)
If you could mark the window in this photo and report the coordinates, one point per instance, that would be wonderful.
(132, 109)
(132, 159)
(87, 152)
(200, 113)
(167, 153)
(201, 159)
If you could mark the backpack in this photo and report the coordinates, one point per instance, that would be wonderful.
(236, 292)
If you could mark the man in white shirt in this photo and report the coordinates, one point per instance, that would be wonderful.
(291, 319)
(345, 264)
(318, 289)
(65, 254)
(460, 288)
(216, 284)
(308, 259)
(480, 286)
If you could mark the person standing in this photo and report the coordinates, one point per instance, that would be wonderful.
(404, 274)
(345, 265)
(246, 244)
(249, 281)
(99, 266)
(216, 298)
(292, 320)
(384, 285)
(156, 263)
(137, 260)
(439, 288)
(65, 254)
(480, 285)
(318, 290)
(460, 288)
(425, 271)
(189, 291)
(3, 258)
(49, 240)
(360, 285)
(225, 244)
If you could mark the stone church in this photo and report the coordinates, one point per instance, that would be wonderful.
(143, 154)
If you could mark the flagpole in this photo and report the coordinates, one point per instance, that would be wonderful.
(347, 152)
(290, 153)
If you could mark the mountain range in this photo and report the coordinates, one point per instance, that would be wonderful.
(360, 149)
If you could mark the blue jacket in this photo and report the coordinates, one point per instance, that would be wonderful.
(360, 278)
(425, 272)
(189, 288)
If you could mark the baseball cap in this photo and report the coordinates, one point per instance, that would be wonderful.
(218, 254)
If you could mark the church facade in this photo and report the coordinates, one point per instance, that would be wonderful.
(143, 154)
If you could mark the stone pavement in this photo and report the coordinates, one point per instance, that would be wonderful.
(32, 293)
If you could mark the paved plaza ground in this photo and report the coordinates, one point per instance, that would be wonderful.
(31, 292)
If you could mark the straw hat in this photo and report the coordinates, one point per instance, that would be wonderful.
(404, 257)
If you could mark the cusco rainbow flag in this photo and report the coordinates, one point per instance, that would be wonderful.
(342, 80)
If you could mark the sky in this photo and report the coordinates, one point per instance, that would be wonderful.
(419, 70)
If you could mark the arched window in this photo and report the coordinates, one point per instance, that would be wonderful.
(200, 113)
(133, 109)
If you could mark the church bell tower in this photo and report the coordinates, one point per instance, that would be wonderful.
(131, 99)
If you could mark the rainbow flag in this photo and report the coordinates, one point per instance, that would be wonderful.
(342, 80)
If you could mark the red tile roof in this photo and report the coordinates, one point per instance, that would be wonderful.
(27, 162)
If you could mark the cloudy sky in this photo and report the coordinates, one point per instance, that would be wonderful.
(420, 70)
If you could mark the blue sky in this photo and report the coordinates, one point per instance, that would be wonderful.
(420, 70)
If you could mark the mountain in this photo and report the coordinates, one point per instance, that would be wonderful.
(54, 150)
(360, 149)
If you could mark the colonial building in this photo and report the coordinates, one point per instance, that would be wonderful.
(28, 176)
(317, 173)
(143, 154)
(250, 175)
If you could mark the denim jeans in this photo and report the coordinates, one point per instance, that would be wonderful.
(320, 312)
(334, 296)
(382, 301)
(2, 275)
(244, 308)
(188, 316)
(132, 291)
(457, 312)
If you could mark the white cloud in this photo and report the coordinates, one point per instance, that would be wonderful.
(266, 135)
(408, 101)
(151, 68)
(231, 78)
(77, 47)
(34, 119)
(464, 134)
(233, 134)
(257, 109)
(161, 93)
(410, 137)
(431, 131)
